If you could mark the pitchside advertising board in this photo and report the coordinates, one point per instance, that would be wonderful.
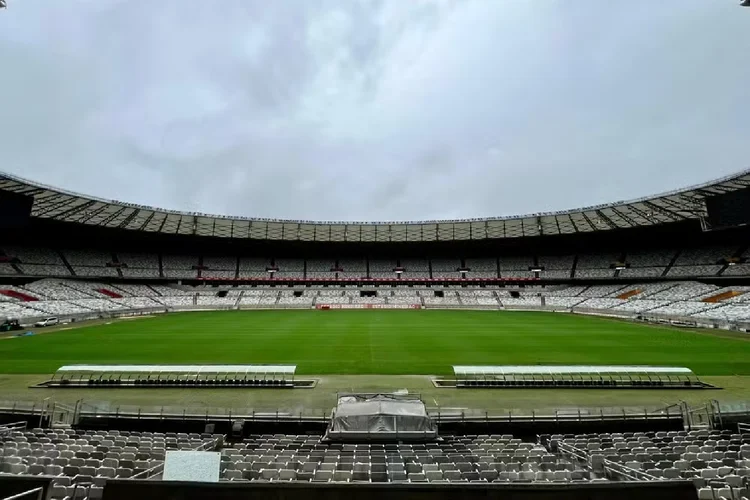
(367, 306)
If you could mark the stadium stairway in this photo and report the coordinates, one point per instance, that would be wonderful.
(239, 298)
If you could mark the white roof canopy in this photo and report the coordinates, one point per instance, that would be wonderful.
(181, 369)
(568, 370)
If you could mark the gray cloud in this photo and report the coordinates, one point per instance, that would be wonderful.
(373, 109)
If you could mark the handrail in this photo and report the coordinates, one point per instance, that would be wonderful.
(18, 496)
(12, 426)
(609, 465)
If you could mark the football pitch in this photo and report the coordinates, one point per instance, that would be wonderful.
(377, 342)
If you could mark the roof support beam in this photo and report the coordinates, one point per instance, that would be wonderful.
(606, 220)
(677, 208)
(163, 221)
(624, 217)
(75, 209)
(85, 217)
(113, 216)
(588, 220)
(572, 222)
(54, 206)
(132, 215)
(145, 222)
(649, 217)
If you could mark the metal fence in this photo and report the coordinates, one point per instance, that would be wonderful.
(57, 413)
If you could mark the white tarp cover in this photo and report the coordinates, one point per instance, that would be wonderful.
(380, 413)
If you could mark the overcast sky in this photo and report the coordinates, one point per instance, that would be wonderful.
(374, 110)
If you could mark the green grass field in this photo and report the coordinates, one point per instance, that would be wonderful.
(376, 342)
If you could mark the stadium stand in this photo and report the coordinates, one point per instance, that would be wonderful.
(516, 267)
(139, 265)
(416, 269)
(320, 269)
(254, 268)
(482, 268)
(219, 267)
(596, 265)
(445, 268)
(717, 462)
(72, 459)
(383, 269)
(352, 268)
(71, 297)
(180, 266)
(290, 268)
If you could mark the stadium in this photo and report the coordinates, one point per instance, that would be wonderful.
(513, 339)
(267, 250)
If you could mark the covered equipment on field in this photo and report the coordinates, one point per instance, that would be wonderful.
(380, 417)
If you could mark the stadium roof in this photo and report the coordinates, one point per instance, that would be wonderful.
(683, 204)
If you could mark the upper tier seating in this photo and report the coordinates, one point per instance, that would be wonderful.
(34, 255)
(321, 269)
(596, 261)
(694, 270)
(642, 272)
(595, 273)
(352, 268)
(482, 268)
(417, 268)
(446, 268)
(139, 265)
(650, 258)
(557, 262)
(254, 268)
(179, 266)
(87, 258)
(219, 267)
(704, 255)
(516, 267)
(382, 268)
(290, 268)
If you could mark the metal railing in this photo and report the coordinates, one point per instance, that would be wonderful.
(13, 426)
(35, 494)
(610, 468)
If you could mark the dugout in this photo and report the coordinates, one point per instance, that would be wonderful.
(577, 376)
(144, 376)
